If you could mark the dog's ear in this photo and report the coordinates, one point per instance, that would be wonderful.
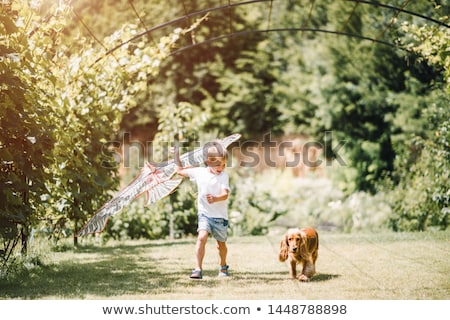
(284, 250)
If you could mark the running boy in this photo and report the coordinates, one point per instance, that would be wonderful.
(212, 201)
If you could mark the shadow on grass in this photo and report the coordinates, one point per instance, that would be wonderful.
(103, 271)
(95, 248)
(131, 269)
(272, 277)
(324, 277)
(277, 276)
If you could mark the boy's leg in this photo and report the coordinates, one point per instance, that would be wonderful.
(223, 270)
(222, 247)
(202, 238)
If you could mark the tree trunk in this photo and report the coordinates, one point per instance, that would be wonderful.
(24, 230)
(24, 240)
(171, 217)
(75, 238)
(171, 227)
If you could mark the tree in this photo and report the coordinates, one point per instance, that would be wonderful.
(27, 121)
(421, 198)
(103, 87)
(60, 109)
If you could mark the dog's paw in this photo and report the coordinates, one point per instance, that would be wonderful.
(303, 278)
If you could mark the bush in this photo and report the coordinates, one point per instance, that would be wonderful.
(274, 199)
(421, 198)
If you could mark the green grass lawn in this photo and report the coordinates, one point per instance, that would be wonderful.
(350, 266)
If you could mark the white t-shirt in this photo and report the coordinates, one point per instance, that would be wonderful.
(209, 183)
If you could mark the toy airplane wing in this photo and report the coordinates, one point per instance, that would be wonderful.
(156, 181)
(151, 180)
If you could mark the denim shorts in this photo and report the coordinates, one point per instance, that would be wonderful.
(218, 227)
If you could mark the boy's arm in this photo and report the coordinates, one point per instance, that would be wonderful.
(180, 169)
(218, 197)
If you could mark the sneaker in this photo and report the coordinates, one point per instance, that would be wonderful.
(223, 271)
(196, 274)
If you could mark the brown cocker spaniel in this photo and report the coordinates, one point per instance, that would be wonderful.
(300, 246)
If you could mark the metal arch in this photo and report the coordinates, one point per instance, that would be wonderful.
(179, 19)
(188, 16)
(302, 29)
(412, 13)
(388, 26)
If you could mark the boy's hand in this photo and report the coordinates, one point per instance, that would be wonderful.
(220, 197)
(210, 198)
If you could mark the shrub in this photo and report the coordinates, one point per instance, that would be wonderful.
(421, 198)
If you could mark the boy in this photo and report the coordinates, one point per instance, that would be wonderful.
(212, 201)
